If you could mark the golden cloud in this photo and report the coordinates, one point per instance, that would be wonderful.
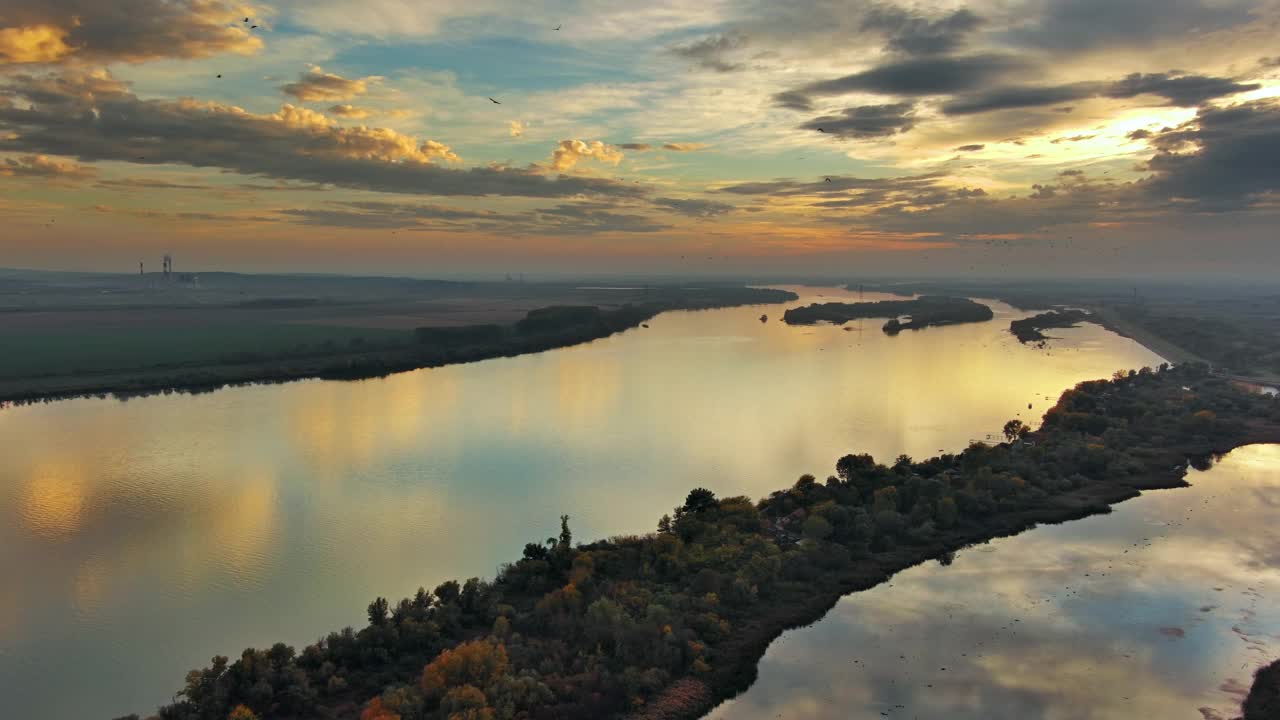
(350, 112)
(34, 44)
(569, 152)
(45, 167)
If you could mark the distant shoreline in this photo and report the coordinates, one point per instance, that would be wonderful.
(475, 343)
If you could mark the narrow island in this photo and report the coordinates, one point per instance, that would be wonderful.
(666, 625)
(1029, 329)
(922, 312)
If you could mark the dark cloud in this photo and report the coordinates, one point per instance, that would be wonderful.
(1225, 159)
(916, 76)
(145, 184)
(1007, 98)
(592, 217)
(374, 214)
(839, 184)
(909, 32)
(636, 146)
(694, 207)
(1139, 134)
(970, 148)
(868, 121)
(93, 117)
(120, 30)
(711, 52)
(1182, 91)
(1178, 90)
(1076, 25)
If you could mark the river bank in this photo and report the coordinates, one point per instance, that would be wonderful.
(433, 347)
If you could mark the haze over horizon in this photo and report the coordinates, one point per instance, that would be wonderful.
(1027, 137)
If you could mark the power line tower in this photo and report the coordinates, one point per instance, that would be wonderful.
(168, 266)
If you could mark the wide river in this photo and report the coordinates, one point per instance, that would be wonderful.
(140, 538)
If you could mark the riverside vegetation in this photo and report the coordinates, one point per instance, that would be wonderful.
(668, 624)
(923, 312)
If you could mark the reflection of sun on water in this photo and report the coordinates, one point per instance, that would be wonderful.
(243, 529)
(54, 502)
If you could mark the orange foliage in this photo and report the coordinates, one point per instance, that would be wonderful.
(375, 711)
(478, 663)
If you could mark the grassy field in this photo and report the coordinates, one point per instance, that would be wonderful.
(36, 353)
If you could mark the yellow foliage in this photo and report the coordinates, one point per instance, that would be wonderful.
(242, 713)
(375, 711)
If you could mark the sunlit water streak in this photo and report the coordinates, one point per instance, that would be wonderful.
(142, 537)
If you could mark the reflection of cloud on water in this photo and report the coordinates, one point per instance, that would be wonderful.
(53, 505)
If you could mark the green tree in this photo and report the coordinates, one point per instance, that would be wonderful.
(1015, 429)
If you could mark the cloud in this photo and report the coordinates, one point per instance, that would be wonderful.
(640, 147)
(147, 184)
(515, 128)
(384, 215)
(43, 166)
(1179, 90)
(711, 52)
(1008, 98)
(694, 207)
(592, 217)
(1225, 159)
(684, 146)
(132, 31)
(868, 121)
(569, 152)
(1078, 25)
(350, 112)
(970, 148)
(93, 117)
(911, 33)
(316, 85)
(915, 76)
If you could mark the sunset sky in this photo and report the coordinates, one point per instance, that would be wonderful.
(1090, 137)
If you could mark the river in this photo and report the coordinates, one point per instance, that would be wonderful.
(143, 537)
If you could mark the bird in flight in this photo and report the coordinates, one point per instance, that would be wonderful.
(557, 27)
(821, 130)
(219, 74)
(246, 19)
(495, 102)
(828, 179)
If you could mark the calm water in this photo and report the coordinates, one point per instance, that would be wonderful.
(140, 538)
(1163, 609)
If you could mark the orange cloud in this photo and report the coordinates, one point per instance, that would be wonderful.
(33, 44)
(569, 152)
(45, 167)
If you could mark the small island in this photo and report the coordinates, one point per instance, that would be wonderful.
(665, 625)
(1029, 329)
(921, 312)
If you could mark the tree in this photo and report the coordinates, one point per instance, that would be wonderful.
(478, 663)
(378, 611)
(664, 524)
(700, 499)
(1015, 429)
(242, 713)
(566, 537)
(816, 527)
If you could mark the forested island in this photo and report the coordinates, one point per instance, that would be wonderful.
(668, 624)
(1029, 329)
(923, 312)
(1263, 701)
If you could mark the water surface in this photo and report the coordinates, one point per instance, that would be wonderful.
(140, 538)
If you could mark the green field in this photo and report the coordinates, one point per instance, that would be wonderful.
(58, 352)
